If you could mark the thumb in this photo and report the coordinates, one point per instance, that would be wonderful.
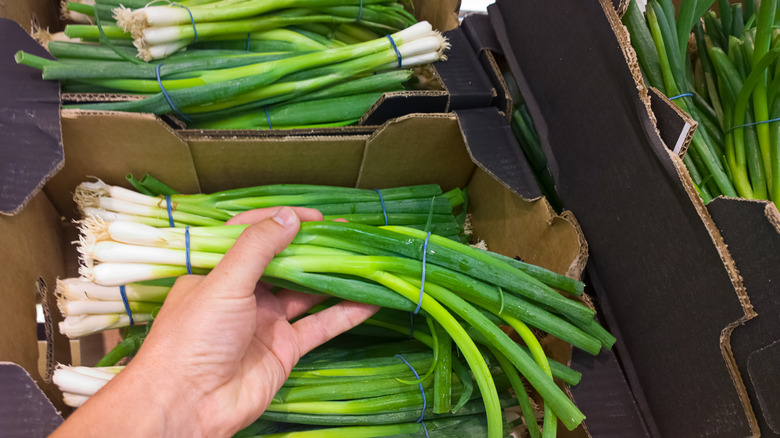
(239, 271)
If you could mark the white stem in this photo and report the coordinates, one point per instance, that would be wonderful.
(108, 251)
(74, 400)
(157, 16)
(117, 274)
(128, 195)
(137, 234)
(121, 206)
(69, 380)
(148, 52)
(110, 216)
(76, 289)
(89, 307)
(413, 32)
(153, 36)
(83, 325)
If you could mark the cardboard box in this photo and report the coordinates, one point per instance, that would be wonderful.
(457, 84)
(668, 285)
(469, 148)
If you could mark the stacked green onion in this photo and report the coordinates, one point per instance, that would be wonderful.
(728, 84)
(467, 294)
(285, 65)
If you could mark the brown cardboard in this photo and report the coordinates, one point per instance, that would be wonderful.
(32, 250)
(33, 14)
(661, 272)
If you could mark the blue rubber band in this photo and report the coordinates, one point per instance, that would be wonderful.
(753, 124)
(248, 40)
(167, 97)
(268, 117)
(382, 201)
(422, 391)
(123, 293)
(360, 12)
(170, 211)
(187, 249)
(192, 20)
(397, 52)
(681, 95)
(422, 283)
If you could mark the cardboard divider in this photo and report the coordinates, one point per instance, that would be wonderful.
(504, 159)
(34, 416)
(30, 147)
(751, 229)
(663, 277)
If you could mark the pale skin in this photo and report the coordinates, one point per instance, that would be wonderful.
(221, 346)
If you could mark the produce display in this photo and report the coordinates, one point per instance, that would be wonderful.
(459, 298)
(725, 75)
(222, 64)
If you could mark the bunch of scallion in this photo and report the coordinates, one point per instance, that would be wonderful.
(330, 393)
(420, 207)
(298, 67)
(728, 85)
(382, 265)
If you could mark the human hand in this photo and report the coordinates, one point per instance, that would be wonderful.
(222, 346)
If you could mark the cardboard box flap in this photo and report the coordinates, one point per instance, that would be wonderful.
(674, 125)
(31, 416)
(667, 285)
(31, 146)
(139, 144)
(494, 148)
(479, 31)
(751, 229)
(462, 74)
(762, 369)
(444, 161)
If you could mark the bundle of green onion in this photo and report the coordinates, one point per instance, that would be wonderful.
(299, 64)
(728, 85)
(465, 294)
(420, 207)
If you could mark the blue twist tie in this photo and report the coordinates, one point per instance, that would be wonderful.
(397, 53)
(248, 40)
(422, 284)
(168, 97)
(360, 12)
(187, 248)
(422, 391)
(170, 210)
(123, 293)
(681, 95)
(192, 20)
(268, 117)
(753, 124)
(382, 201)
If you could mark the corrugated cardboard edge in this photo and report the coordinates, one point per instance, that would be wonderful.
(683, 115)
(624, 39)
(685, 179)
(622, 7)
(773, 216)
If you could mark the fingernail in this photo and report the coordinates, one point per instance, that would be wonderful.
(285, 217)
